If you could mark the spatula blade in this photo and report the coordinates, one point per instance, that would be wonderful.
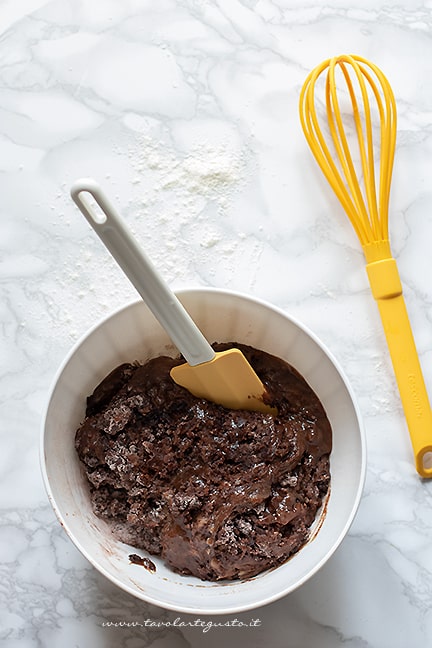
(228, 379)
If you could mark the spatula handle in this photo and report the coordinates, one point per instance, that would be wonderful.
(387, 290)
(165, 306)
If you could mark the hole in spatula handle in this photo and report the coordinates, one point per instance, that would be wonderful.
(93, 209)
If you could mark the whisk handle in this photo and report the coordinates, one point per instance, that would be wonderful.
(387, 290)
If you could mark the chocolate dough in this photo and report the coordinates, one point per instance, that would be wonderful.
(220, 494)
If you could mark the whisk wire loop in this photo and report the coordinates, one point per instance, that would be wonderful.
(340, 140)
(317, 142)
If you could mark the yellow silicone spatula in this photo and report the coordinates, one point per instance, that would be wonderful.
(224, 377)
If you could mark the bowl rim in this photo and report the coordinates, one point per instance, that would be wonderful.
(229, 609)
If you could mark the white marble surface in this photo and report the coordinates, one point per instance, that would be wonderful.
(186, 112)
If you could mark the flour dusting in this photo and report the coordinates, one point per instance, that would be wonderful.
(177, 204)
(210, 171)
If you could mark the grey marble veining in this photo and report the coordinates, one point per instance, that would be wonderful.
(187, 112)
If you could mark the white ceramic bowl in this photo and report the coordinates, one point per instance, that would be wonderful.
(132, 333)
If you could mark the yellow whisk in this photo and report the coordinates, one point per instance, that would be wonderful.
(359, 168)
